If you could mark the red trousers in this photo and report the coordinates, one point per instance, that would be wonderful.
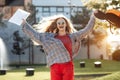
(62, 71)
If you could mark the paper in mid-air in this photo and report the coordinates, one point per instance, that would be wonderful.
(18, 16)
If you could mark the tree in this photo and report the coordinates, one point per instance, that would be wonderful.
(116, 55)
(103, 4)
(97, 35)
(17, 49)
(2, 24)
(20, 44)
(31, 8)
(31, 19)
(94, 38)
(81, 17)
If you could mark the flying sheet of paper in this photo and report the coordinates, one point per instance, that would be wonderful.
(18, 16)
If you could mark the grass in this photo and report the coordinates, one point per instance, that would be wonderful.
(22, 76)
(90, 72)
(42, 72)
(113, 76)
(108, 66)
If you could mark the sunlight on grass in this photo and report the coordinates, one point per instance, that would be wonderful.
(114, 76)
(108, 66)
(22, 76)
(43, 72)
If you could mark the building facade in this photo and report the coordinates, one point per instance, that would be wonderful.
(53, 7)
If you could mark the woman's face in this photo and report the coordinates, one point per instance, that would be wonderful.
(61, 24)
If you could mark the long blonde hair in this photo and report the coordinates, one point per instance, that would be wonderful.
(48, 24)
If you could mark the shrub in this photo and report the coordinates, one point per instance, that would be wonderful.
(116, 55)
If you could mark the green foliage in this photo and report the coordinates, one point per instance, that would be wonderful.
(103, 4)
(81, 17)
(77, 19)
(116, 55)
(115, 3)
(31, 8)
(2, 24)
(1, 15)
(97, 6)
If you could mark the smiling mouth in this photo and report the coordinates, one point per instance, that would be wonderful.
(61, 27)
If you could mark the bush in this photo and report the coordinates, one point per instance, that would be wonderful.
(116, 55)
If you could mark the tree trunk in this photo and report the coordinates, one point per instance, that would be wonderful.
(88, 48)
(19, 59)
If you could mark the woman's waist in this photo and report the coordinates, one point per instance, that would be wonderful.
(65, 63)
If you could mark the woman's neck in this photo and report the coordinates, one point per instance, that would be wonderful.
(62, 33)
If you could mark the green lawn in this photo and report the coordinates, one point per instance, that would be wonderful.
(22, 76)
(108, 66)
(42, 72)
(113, 76)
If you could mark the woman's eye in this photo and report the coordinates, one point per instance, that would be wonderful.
(58, 23)
(62, 22)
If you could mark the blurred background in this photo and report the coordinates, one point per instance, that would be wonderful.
(99, 44)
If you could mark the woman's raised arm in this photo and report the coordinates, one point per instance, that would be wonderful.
(31, 33)
(88, 28)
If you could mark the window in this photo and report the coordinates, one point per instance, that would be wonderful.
(46, 9)
(60, 9)
(53, 9)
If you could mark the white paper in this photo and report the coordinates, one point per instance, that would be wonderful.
(18, 16)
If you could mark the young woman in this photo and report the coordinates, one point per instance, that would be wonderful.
(61, 43)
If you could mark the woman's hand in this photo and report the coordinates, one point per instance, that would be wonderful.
(24, 21)
(92, 15)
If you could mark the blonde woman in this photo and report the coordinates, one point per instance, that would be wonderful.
(61, 43)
